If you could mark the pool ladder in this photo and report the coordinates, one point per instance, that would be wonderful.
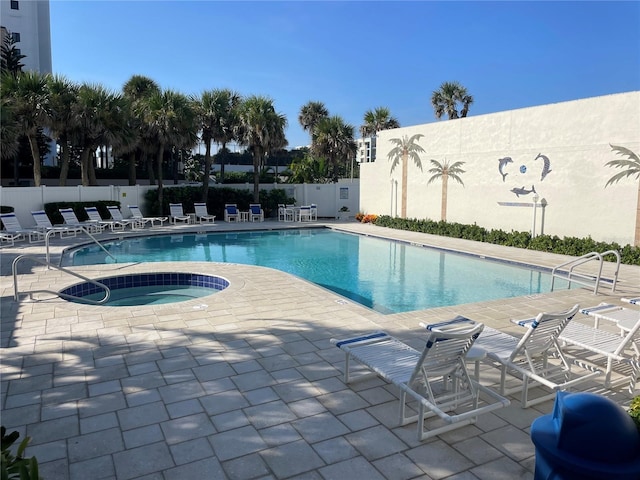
(566, 271)
(16, 292)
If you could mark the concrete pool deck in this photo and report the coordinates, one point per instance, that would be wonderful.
(244, 384)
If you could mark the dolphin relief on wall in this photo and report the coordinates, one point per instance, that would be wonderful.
(524, 174)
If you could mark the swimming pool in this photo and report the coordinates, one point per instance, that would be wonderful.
(388, 276)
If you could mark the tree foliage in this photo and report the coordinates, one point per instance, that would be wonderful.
(448, 98)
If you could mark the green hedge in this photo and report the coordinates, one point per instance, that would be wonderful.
(216, 199)
(51, 209)
(546, 243)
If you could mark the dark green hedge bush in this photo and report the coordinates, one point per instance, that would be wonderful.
(546, 243)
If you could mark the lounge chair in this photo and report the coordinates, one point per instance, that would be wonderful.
(529, 358)
(9, 239)
(116, 214)
(71, 220)
(94, 216)
(13, 228)
(285, 214)
(44, 224)
(622, 349)
(231, 213)
(632, 301)
(425, 377)
(177, 213)
(137, 214)
(314, 212)
(202, 215)
(256, 214)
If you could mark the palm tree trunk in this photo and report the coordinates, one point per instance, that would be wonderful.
(35, 153)
(64, 167)
(636, 241)
(222, 152)
(150, 168)
(207, 170)
(403, 209)
(257, 161)
(92, 168)
(160, 185)
(445, 186)
(84, 166)
(132, 167)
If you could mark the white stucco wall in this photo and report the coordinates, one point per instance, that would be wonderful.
(575, 136)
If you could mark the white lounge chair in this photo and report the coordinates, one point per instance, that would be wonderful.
(256, 213)
(116, 214)
(285, 214)
(176, 213)
(622, 349)
(94, 216)
(437, 379)
(137, 214)
(632, 301)
(536, 357)
(202, 215)
(71, 220)
(231, 213)
(304, 215)
(44, 224)
(314, 212)
(15, 231)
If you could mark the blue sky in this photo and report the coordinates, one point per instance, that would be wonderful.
(355, 56)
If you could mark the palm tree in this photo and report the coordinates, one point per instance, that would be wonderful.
(28, 97)
(100, 119)
(310, 114)
(405, 148)
(446, 100)
(376, 120)
(445, 171)
(63, 94)
(172, 122)
(333, 139)
(218, 119)
(630, 168)
(137, 90)
(10, 56)
(261, 129)
(9, 134)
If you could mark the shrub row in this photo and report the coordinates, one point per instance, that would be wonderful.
(546, 243)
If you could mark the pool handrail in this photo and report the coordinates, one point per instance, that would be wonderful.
(581, 278)
(16, 292)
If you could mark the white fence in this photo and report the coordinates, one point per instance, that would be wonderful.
(330, 197)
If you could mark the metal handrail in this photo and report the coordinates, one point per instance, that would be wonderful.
(95, 240)
(581, 278)
(16, 293)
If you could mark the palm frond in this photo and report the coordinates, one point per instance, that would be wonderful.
(632, 165)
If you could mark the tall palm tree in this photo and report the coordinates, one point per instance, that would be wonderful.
(63, 94)
(377, 119)
(100, 119)
(333, 139)
(445, 171)
(217, 111)
(261, 129)
(310, 114)
(172, 121)
(447, 99)
(9, 133)
(137, 90)
(405, 148)
(28, 96)
(10, 56)
(630, 168)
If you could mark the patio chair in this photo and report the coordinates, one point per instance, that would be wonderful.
(9, 239)
(231, 213)
(137, 214)
(622, 349)
(256, 213)
(176, 213)
(314, 212)
(285, 214)
(44, 224)
(13, 228)
(202, 215)
(116, 214)
(71, 220)
(436, 378)
(94, 216)
(304, 215)
(529, 358)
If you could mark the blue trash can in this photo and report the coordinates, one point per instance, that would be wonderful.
(587, 437)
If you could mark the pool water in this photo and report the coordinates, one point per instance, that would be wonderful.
(388, 276)
(151, 295)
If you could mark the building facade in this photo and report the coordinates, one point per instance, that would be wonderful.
(539, 169)
(29, 23)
